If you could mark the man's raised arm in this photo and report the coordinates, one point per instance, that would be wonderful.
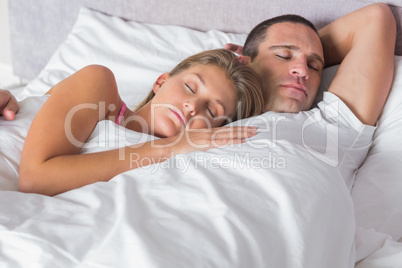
(363, 42)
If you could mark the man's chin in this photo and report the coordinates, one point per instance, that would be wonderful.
(290, 106)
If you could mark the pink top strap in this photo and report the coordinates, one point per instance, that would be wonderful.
(123, 109)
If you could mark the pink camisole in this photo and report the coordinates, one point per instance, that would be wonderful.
(121, 113)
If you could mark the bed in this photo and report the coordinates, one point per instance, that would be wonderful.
(210, 209)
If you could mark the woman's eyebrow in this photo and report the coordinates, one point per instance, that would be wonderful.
(201, 79)
(221, 104)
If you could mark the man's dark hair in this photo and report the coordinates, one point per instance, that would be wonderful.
(258, 34)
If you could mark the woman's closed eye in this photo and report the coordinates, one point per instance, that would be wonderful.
(189, 88)
(208, 109)
(210, 112)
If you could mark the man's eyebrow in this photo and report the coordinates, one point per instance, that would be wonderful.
(313, 56)
(205, 85)
(289, 47)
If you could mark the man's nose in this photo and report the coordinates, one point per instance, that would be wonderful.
(300, 69)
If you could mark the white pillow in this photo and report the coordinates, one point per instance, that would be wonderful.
(137, 53)
(377, 192)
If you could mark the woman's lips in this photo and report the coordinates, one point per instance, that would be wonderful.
(180, 116)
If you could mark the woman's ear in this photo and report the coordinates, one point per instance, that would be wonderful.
(160, 81)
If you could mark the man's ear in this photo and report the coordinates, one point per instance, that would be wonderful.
(160, 81)
(244, 59)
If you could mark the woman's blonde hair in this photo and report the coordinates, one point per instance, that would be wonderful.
(248, 85)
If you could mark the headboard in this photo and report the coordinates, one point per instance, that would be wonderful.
(37, 27)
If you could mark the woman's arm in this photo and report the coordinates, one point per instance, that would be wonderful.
(50, 163)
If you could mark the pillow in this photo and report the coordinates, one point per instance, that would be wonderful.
(377, 192)
(137, 53)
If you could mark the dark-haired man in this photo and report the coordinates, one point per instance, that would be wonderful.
(288, 53)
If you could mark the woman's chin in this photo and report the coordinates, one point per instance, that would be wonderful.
(167, 131)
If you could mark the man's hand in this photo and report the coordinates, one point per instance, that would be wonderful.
(8, 105)
(234, 48)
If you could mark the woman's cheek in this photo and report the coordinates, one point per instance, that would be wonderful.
(200, 122)
(165, 127)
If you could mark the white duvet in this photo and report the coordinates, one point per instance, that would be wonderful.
(142, 219)
(232, 207)
(169, 219)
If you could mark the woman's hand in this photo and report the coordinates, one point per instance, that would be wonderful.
(205, 139)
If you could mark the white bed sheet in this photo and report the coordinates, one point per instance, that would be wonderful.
(140, 219)
(186, 212)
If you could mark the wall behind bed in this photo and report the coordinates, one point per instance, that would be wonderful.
(37, 27)
(5, 57)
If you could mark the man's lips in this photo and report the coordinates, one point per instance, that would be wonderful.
(297, 87)
(179, 115)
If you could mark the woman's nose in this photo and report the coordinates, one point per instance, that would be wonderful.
(191, 106)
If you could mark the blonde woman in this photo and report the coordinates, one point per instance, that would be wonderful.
(202, 92)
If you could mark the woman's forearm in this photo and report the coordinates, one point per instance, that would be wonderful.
(67, 172)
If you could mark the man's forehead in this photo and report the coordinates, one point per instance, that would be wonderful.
(292, 34)
(290, 29)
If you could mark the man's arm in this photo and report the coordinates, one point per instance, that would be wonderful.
(8, 105)
(364, 42)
